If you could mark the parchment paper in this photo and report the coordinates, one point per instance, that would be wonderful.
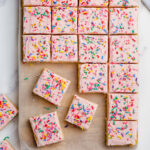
(31, 105)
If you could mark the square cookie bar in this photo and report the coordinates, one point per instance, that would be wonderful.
(93, 78)
(64, 20)
(51, 87)
(123, 21)
(37, 2)
(123, 78)
(124, 49)
(64, 48)
(93, 20)
(46, 129)
(81, 112)
(5, 145)
(122, 107)
(37, 20)
(103, 3)
(36, 48)
(93, 48)
(64, 2)
(121, 133)
(123, 3)
(7, 111)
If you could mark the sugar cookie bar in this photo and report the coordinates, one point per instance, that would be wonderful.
(5, 145)
(51, 87)
(64, 20)
(7, 111)
(36, 48)
(103, 3)
(124, 49)
(81, 112)
(64, 2)
(37, 2)
(122, 107)
(123, 78)
(93, 78)
(123, 3)
(37, 20)
(93, 49)
(46, 129)
(64, 48)
(123, 21)
(93, 20)
(122, 133)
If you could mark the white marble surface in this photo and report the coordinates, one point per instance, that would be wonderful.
(8, 69)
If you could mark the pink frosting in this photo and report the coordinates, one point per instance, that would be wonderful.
(7, 111)
(123, 3)
(51, 87)
(123, 21)
(123, 78)
(122, 133)
(46, 129)
(81, 112)
(93, 78)
(4, 145)
(93, 2)
(37, 20)
(37, 2)
(64, 48)
(93, 20)
(93, 48)
(64, 2)
(123, 107)
(64, 20)
(124, 49)
(36, 48)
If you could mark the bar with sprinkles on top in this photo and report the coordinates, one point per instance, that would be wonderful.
(93, 49)
(37, 20)
(36, 48)
(93, 21)
(64, 3)
(93, 78)
(123, 3)
(64, 20)
(46, 129)
(124, 49)
(123, 78)
(123, 21)
(37, 2)
(51, 87)
(7, 111)
(122, 107)
(81, 112)
(121, 133)
(64, 48)
(102, 3)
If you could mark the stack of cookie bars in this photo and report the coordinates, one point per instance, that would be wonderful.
(99, 35)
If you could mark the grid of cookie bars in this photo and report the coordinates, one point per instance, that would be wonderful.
(101, 36)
